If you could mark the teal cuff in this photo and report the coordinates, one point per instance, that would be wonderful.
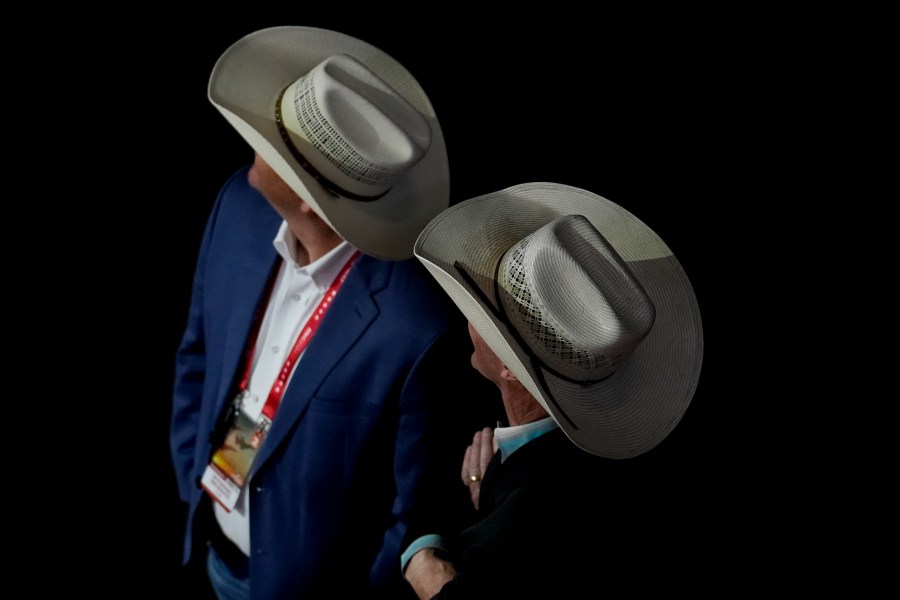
(426, 541)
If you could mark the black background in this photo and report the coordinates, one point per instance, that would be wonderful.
(643, 109)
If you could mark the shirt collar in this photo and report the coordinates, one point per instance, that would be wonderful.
(510, 439)
(323, 270)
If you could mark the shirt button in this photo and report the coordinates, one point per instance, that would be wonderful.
(275, 349)
(296, 297)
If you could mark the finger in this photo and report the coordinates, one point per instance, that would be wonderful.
(474, 465)
(467, 459)
(486, 450)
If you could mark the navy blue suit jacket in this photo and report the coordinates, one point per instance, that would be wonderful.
(359, 428)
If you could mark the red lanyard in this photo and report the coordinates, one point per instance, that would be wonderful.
(306, 333)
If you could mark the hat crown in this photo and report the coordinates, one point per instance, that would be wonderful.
(351, 127)
(573, 299)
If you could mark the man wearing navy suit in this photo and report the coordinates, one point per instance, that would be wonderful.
(307, 429)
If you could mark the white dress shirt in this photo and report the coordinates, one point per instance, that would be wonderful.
(295, 295)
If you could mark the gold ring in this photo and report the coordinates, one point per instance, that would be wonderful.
(474, 478)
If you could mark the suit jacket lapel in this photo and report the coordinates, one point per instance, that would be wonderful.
(348, 317)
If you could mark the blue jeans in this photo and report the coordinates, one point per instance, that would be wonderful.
(224, 583)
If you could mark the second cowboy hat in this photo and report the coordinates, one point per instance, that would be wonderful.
(345, 125)
(583, 302)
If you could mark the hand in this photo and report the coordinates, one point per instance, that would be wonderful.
(476, 460)
(427, 573)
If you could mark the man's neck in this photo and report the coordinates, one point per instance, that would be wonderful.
(521, 407)
(314, 240)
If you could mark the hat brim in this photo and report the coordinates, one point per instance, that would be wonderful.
(628, 413)
(244, 86)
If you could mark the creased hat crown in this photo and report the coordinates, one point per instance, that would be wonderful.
(573, 299)
(352, 127)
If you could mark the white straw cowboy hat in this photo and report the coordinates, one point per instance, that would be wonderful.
(346, 126)
(582, 301)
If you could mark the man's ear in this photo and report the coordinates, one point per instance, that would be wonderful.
(507, 375)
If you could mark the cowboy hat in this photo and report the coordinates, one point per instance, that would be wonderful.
(582, 301)
(346, 126)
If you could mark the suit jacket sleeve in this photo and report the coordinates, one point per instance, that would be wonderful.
(190, 369)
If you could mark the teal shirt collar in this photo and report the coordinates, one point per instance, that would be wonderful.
(510, 439)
